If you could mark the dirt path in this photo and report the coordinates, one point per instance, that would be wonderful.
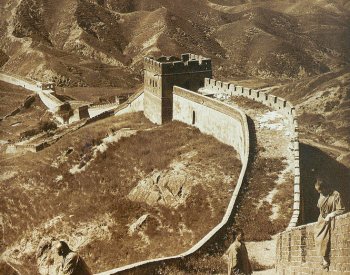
(272, 142)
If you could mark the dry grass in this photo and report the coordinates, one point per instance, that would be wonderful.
(11, 97)
(253, 217)
(103, 187)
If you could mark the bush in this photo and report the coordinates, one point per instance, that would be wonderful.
(47, 125)
(29, 133)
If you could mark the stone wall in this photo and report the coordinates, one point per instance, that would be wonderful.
(161, 75)
(133, 104)
(211, 113)
(296, 252)
(15, 148)
(19, 81)
(44, 90)
(153, 107)
(50, 101)
(99, 109)
(211, 117)
(212, 86)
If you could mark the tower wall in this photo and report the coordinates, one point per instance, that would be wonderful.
(162, 75)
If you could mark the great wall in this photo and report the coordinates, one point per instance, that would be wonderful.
(170, 93)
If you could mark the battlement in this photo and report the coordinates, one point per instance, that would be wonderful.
(188, 63)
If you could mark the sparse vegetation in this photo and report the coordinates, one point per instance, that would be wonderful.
(301, 48)
(261, 181)
(46, 126)
(102, 189)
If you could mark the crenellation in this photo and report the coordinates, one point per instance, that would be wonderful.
(188, 63)
(225, 85)
(261, 97)
(161, 75)
(275, 103)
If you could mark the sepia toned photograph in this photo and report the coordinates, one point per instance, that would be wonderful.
(174, 137)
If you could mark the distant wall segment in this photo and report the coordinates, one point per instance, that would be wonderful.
(228, 125)
(44, 90)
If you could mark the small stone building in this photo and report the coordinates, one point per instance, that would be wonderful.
(162, 74)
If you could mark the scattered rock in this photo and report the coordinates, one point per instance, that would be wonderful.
(137, 224)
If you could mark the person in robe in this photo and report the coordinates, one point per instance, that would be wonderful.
(330, 205)
(238, 260)
(72, 263)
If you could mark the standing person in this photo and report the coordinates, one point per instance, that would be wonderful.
(238, 260)
(72, 263)
(330, 205)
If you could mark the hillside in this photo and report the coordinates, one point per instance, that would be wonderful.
(73, 42)
(133, 195)
(324, 111)
(112, 198)
(102, 42)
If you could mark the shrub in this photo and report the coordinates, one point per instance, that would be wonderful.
(29, 133)
(47, 125)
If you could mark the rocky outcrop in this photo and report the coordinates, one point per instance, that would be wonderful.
(170, 187)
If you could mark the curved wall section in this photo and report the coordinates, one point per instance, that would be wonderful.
(212, 86)
(211, 117)
(133, 104)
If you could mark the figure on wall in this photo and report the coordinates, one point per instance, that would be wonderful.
(72, 263)
(330, 205)
(238, 260)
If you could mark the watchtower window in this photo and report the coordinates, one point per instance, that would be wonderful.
(193, 117)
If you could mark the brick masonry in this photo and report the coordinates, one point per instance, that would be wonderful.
(296, 252)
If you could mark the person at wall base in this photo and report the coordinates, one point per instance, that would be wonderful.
(330, 205)
(238, 260)
(72, 263)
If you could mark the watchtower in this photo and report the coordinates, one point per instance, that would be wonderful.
(162, 74)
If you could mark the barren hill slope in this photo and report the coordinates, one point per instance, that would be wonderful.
(111, 197)
(323, 105)
(73, 42)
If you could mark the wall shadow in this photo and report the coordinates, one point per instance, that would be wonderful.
(313, 162)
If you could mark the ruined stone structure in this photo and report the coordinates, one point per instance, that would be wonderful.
(162, 74)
